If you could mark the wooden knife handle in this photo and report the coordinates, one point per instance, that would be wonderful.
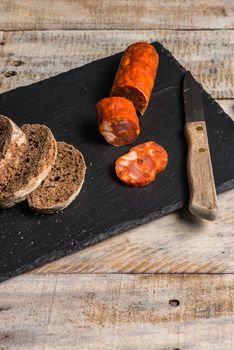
(203, 201)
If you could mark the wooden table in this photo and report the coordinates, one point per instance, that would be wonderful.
(168, 284)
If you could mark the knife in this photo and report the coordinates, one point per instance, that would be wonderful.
(203, 200)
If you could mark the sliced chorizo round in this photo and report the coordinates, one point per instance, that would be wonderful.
(117, 120)
(136, 74)
(136, 168)
(156, 151)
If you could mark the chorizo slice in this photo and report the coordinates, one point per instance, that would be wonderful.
(157, 152)
(136, 168)
(117, 120)
(136, 75)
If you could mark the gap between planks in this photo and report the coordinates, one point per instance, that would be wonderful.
(117, 29)
(177, 243)
(123, 312)
(209, 55)
(118, 14)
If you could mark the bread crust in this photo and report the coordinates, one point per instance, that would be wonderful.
(53, 196)
(13, 145)
(41, 159)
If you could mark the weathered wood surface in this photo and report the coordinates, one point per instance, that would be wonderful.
(176, 243)
(208, 54)
(69, 310)
(106, 14)
(228, 107)
(122, 312)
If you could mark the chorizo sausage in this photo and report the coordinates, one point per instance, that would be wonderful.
(117, 120)
(157, 152)
(141, 164)
(136, 168)
(136, 75)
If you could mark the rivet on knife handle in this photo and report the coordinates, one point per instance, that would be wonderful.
(203, 201)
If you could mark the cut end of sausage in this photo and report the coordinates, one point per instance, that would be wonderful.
(117, 120)
(119, 133)
(141, 164)
(134, 95)
(157, 152)
(136, 169)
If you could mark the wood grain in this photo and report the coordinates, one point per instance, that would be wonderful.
(117, 312)
(120, 14)
(203, 201)
(125, 311)
(228, 107)
(176, 243)
(41, 54)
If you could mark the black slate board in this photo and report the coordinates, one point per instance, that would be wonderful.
(66, 103)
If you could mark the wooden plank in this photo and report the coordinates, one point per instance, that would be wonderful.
(228, 107)
(176, 243)
(117, 312)
(208, 54)
(120, 14)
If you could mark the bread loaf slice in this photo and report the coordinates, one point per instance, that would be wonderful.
(63, 183)
(13, 143)
(35, 164)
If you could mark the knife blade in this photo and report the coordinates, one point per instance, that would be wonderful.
(203, 200)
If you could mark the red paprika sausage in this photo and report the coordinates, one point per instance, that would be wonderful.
(117, 120)
(136, 75)
(136, 168)
(157, 152)
(141, 164)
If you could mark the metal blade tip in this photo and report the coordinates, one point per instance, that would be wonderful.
(192, 99)
(188, 80)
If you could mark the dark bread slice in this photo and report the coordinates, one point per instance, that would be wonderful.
(13, 143)
(35, 164)
(63, 183)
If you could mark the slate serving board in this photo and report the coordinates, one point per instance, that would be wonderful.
(66, 103)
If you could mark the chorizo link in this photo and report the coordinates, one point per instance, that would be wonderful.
(117, 120)
(136, 75)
